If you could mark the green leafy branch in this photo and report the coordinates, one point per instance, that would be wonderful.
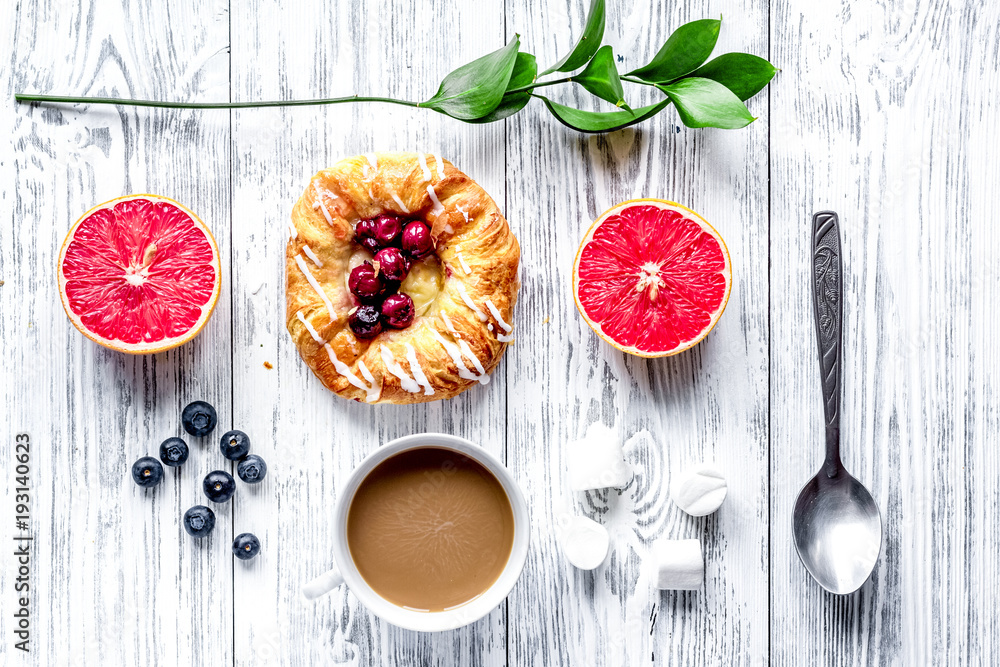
(706, 93)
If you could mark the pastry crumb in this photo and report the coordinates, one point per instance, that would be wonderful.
(267, 365)
(545, 321)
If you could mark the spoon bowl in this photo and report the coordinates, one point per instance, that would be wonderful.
(838, 531)
(835, 522)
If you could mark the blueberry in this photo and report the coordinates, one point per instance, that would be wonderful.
(219, 486)
(199, 418)
(173, 452)
(147, 472)
(251, 469)
(235, 445)
(246, 546)
(199, 521)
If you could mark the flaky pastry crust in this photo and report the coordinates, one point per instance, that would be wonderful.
(459, 340)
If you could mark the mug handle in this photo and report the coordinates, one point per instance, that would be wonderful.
(323, 584)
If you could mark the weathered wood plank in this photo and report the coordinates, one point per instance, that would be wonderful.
(884, 112)
(710, 403)
(115, 578)
(311, 438)
(892, 123)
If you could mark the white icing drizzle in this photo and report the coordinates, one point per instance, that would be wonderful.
(345, 370)
(310, 329)
(418, 372)
(456, 356)
(321, 191)
(370, 195)
(424, 167)
(508, 329)
(438, 207)
(468, 302)
(292, 231)
(451, 327)
(399, 203)
(490, 326)
(365, 373)
(475, 362)
(464, 213)
(448, 228)
(440, 166)
(373, 161)
(319, 200)
(461, 260)
(405, 380)
(496, 315)
(311, 255)
(315, 285)
(326, 213)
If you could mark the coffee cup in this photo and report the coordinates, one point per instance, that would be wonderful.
(465, 489)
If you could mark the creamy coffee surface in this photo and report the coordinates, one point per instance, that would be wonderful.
(430, 529)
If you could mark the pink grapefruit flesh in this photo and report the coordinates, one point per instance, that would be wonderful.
(139, 274)
(652, 277)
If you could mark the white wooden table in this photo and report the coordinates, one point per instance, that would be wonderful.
(885, 111)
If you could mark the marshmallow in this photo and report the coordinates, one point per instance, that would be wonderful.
(598, 461)
(584, 541)
(700, 490)
(322, 584)
(679, 564)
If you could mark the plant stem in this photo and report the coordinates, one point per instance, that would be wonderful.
(21, 97)
(639, 81)
(532, 86)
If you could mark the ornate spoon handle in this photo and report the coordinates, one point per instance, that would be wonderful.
(828, 303)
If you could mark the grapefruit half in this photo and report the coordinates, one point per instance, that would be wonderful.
(652, 277)
(139, 274)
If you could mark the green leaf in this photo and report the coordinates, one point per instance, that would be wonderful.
(588, 43)
(601, 78)
(743, 73)
(475, 89)
(525, 69)
(706, 103)
(687, 48)
(601, 121)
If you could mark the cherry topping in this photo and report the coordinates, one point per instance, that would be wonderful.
(397, 311)
(366, 283)
(365, 323)
(388, 229)
(417, 239)
(364, 234)
(393, 263)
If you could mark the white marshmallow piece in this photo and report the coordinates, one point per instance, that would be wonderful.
(598, 461)
(700, 490)
(679, 564)
(584, 541)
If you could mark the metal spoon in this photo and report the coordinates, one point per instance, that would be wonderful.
(835, 522)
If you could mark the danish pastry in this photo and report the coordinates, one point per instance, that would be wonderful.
(401, 278)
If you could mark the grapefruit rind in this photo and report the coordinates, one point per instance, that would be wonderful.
(156, 346)
(663, 204)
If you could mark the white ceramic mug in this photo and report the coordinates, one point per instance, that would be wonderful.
(345, 571)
